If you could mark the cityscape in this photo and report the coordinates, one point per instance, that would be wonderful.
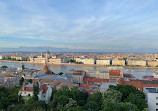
(83, 55)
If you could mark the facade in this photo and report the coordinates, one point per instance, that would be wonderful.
(77, 75)
(58, 60)
(98, 74)
(45, 91)
(103, 62)
(114, 75)
(20, 58)
(153, 63)
(86, 60)
(2, 57)
(118, 62)
(136, 63)
(152, 98)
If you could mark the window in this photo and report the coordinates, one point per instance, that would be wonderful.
(28, 94)
(156, 103)
(156, 109)
(25, 92)
(156, 97)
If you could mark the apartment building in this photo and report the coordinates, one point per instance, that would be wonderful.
(77, 75)
(103, 62)
(86, 60)
(152, 98)
(117, 62)
(58, 60)
(136, 63)
(153, 63)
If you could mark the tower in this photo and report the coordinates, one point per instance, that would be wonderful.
(46, 69)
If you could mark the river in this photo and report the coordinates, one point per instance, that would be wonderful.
(138, 73)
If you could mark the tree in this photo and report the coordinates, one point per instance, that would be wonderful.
(30, 80)
(92, 106)
(23, 67)
(112, 106)
(72, 104)
(94, 102)
(112, 96)
(35, 91)
(61, 73)
(127, 89)
(139, 102)
(21, 81)
(4, 67)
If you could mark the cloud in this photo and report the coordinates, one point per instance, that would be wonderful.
(90, 24)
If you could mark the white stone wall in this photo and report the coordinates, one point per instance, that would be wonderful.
(25, 93)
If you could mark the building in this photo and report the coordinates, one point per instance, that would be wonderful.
(46, 69)
(2, 57)
(77, 75)
(153, 63)
(152, 98)
(98, 74)
(94, 80)
(86, 60)
(114, 75)
(45, 92)
(140, 84)
(103, 62)
(117, 62)
(136, 63)
(58, 60)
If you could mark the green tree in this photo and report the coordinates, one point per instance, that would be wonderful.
(139, 102)
(127, 89)
(71, 105)
(30, 80)
(4, 67)
(23, 67)
(21, 81)
(112, 106)
(112, 96)
(35, 91)
(61, 73)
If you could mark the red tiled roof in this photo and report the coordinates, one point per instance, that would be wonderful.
(86, 86)
(45, 67)
(45, 80)
(26, 89)
(44, 88)
(140, 84)
(114, 72)
(94, 79)
(34, 80)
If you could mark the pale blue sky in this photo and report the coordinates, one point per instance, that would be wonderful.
(87, 24)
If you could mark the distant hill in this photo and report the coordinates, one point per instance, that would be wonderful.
(68, 50)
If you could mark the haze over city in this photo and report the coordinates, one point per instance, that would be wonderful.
(106, 25)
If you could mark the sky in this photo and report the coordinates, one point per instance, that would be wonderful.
(79, 24)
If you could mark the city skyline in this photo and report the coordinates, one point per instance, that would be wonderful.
(117, 25)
